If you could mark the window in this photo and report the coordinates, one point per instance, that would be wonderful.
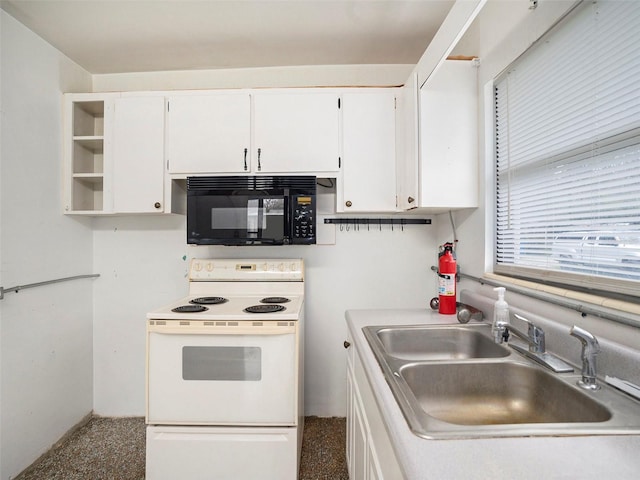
(568, 153)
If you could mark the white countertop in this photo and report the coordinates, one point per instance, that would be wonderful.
(594, 457)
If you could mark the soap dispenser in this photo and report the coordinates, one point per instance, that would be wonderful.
(500, 316)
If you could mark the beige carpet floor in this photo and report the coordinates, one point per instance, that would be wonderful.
(113, 449)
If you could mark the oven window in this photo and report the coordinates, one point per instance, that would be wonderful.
(222, 363)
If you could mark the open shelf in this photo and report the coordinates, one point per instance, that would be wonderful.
(87, 192)
(87, 156)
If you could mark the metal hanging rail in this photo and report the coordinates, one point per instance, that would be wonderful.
(377, 222)
(17, 288)
(554, 299)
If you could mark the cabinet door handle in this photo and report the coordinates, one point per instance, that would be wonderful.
(348, 203)
(245, 159)
(259, 166)
(411, 199)
(346, 344)
(157, 204)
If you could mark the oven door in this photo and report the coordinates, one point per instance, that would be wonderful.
(245, 374)
(237, 219)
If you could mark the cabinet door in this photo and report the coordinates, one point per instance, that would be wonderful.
(209, 133)
(373, 466)
(369, 180)
(449, 137)
(138, 155)
(407, 145)
(296, 132)
(359, 461)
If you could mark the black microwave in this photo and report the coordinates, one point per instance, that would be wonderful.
(251, 210)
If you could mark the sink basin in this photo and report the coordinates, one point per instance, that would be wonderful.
(498, 393)
(437, 343)
(452, 381)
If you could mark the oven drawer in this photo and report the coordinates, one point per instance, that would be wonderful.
(222, 379)
(203, 453)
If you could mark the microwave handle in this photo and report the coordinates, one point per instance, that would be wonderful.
(220, 330)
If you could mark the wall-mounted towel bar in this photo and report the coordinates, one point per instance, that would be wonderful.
(17, 288)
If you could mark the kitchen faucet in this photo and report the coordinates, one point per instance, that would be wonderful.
(534, 336)
(535, 339)
(590, 348)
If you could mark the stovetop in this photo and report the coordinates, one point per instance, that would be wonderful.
(273, 288)
(232, 309)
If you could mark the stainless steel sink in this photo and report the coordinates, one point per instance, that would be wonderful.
(498, 394)
(453, 382)
(450, 342)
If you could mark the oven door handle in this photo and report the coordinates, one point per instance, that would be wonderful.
(221, 330)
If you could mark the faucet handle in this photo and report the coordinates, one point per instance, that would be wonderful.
(536, 335)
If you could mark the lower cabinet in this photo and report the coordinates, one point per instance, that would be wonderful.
(370, 455)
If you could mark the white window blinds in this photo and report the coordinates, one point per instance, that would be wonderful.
(568, 153)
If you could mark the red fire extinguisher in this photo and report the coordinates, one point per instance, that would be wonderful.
(447, 280)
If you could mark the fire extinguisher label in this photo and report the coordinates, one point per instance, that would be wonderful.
(447, 284)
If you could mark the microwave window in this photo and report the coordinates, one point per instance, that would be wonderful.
(258, 217)
(228, 218)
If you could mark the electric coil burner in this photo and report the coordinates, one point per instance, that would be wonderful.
(269, 308)
(275, 300)
(189, 309)
(208, 300)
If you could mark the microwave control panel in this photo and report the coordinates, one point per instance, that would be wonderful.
(304, 219)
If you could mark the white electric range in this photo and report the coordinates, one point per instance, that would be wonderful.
(224, 373)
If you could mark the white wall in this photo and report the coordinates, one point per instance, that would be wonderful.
(46, 332)
(143, 262)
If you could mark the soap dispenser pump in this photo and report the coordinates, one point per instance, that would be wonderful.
(500, 316)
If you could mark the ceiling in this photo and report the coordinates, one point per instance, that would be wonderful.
(115, 36)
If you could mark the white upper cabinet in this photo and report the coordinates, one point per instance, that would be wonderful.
(449, 137)
(138, 154)
(296, 132)
(124, 152)
(114, 153)
(247, 132)
(209, 133)
(369, 151)
(438, 157)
